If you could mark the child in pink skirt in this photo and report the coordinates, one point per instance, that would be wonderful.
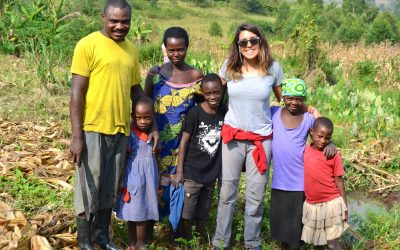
(325, 209)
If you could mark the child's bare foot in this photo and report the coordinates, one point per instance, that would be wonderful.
(131, 248)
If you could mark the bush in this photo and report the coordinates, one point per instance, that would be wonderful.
(266, 26)
(202, 3)
(47, 23)
(203, 62)
(305, 40)
(215, 29)
(384, 28)
(251, 6)
(329, 68)
(350, 31)
(366, 71)
(151, 53)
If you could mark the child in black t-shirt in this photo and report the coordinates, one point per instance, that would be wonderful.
(199, 156)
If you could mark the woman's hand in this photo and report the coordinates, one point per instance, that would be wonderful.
(154, 136)
(316, 113)
(330, 150)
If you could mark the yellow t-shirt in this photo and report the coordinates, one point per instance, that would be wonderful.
(113, 68)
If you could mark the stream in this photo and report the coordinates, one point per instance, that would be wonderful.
(361, 203)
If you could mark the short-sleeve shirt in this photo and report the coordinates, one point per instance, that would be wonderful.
(112, 68)
(287, 151)
(203, 159)
(248, 107)
(319, 175)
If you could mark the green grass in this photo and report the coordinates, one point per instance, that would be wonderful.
(379, 229)
(31, 194)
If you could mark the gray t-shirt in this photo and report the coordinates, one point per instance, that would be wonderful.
(249, 107)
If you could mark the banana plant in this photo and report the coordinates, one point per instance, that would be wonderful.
(139, 30)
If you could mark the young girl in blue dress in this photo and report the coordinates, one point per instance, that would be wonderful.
(137, 203)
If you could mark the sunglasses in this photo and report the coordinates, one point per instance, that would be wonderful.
(253, 41)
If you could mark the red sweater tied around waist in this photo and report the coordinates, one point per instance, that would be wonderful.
(229, 133)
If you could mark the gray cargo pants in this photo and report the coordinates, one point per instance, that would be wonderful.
(234, 154)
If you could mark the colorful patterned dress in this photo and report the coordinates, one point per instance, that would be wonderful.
(171, 103)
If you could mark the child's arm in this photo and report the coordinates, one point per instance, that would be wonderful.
(342, 192)
(178, 176)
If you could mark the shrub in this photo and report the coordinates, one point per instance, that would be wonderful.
(202, 3)
(350, 31)
(354, 6)
(44, 21)
(251, 6)
(329, 68)
(366, 71)
(305, 40)
(150, 53)
(203, 62)
(384, 28)
(266, 26)
(215, 29)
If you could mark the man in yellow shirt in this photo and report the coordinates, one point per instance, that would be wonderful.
(105, 77)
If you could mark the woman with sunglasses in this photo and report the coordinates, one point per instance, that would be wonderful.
(250, 73)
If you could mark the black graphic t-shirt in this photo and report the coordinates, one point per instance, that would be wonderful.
(203, 159)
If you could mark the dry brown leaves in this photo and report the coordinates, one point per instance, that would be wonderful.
(43, 231)
(29, 147)
(367, 160)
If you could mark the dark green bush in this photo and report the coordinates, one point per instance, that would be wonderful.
(202, 3)
(384, 28)
(354, 6)
(293, 66)
(215, 29)
(151, 53)
(366, 71)
(252, 6)
(329, 68)
(266, 26)
(350, 31)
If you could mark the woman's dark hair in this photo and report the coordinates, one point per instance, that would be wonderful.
(176, 32)
(235, 63)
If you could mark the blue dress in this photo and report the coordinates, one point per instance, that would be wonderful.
(138, 199)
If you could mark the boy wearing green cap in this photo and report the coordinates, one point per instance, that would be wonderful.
(291, 126)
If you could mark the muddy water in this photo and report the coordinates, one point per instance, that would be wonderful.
(360, 203)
